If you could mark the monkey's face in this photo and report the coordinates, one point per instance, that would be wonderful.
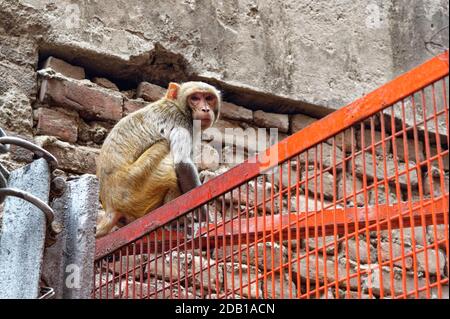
(204, 108)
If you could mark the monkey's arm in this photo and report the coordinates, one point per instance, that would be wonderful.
(181, 148)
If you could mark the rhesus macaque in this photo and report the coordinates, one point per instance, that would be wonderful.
(146, 160)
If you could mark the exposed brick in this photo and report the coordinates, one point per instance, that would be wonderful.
(18, 153)
(107, 84)
(275, 254)
(328, 295)
(329, 244)
(204, 272)
(316, 270)
(435, 260)
(349, 182)
(307, 204)
(444, 292)
(436, 182)
(363, 252)
(445, 161)
(223, 126)
(380, 196)
(231, 157)
(94, 132)
(411, 149)
(251, 288)
(300, 121)
(135, 266)
(396, 236)
(315, 184)
(441, 234)
(71, 158)
(396, 288)
(160, 266)
(65, 68)
(56, 123)
(368, 141)
(150, 92)
(344, 140)
(132, 289)
(131, 106)
(234, 112)
(367, 169)
(90, 102)
(206, 157)
(272, 120)
(387, 248)
(261, 190)
(285, 181)
(108, 289)
(326, 154)
(284, 288)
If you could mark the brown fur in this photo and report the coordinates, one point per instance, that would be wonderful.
(135, 166)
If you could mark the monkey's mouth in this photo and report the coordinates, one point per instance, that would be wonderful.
(205, 121)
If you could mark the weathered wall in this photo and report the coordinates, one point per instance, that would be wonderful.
(318, 54)
(297, 57)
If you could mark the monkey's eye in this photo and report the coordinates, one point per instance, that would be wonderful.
(210, 98)
(195, 98)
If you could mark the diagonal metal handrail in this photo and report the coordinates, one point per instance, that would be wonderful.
(374, 102)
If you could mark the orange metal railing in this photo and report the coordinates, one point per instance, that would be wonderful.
(354, 206)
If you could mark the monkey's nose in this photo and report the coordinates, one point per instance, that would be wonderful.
(205, 110)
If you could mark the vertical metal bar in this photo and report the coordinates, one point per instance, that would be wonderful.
(316, 222)
(432, 195)
(386, 194)
(409, 201)
(240, 243)
(265, 294)
(344, 196)
(442, 182)
(272, 235)
(178, 258)
(354, 177)
(336, 243)
(399, 196)
(255, 244)
(208, 251)
(322, 204)
(446, 221)
(289, 232)
(365, 196)
(297, 235)
(248, 239)
(427, 156)
(308, 280)
(280, 236)
(376, 201)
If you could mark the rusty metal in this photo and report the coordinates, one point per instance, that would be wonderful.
(53, 229)
(38, 151)
(5, 142)
(376, 179)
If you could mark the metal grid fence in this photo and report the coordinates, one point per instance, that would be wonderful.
(356, 206)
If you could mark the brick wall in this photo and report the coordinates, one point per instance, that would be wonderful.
(74, 114)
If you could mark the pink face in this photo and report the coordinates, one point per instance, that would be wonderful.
(204, 108)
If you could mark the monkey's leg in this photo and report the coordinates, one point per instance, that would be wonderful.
(108, 221)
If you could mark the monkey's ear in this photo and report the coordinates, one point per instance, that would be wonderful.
(172, 91)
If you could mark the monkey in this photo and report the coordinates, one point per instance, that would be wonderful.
(147, 158)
